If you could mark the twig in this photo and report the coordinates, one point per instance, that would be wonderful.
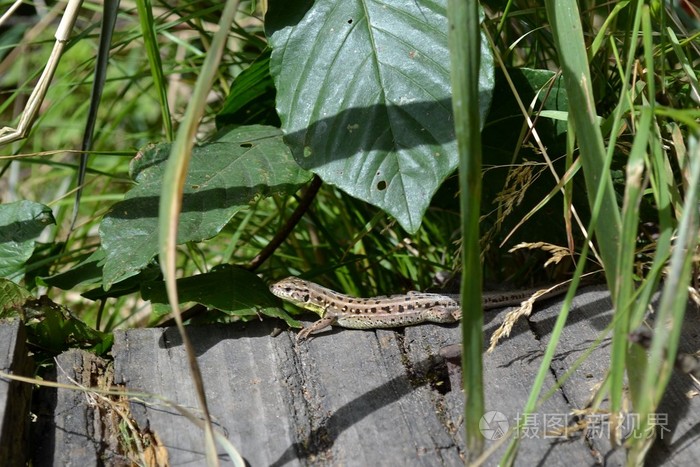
(288, 226)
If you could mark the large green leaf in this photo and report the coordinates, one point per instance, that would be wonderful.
(21, 224)
(216, 289)
(225, 175)
(363, 92)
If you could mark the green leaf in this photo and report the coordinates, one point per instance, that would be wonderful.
(21, 223)
(225, 175)
(502, 132)
(252, 97)
(128, 286)
(539, 82)
(12, 297)
(89, 272)
(53, 328)
(232, 290)
(363, 92)
(86, 272)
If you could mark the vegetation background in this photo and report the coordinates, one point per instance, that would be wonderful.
(590, 131)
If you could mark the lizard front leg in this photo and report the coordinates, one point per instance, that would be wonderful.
(322, 323)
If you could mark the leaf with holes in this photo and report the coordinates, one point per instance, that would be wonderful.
(363, 92)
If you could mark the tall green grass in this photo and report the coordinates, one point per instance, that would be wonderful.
(629, 74)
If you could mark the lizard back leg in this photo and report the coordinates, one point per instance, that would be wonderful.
(442, 314)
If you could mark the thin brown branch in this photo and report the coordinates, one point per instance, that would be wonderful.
(283, 233)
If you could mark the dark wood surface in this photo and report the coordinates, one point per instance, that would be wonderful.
(350, 397)
(14, 396)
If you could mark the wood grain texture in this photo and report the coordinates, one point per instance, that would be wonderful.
(14, 396)
(380, 397)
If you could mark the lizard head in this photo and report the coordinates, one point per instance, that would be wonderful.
(297, 292)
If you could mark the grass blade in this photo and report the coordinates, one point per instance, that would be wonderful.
(671, 310)
(109, 19)
(568, 36)
(153, 52)
(171, 199)
(465, 43)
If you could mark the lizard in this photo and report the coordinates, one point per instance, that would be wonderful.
(390, 311)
